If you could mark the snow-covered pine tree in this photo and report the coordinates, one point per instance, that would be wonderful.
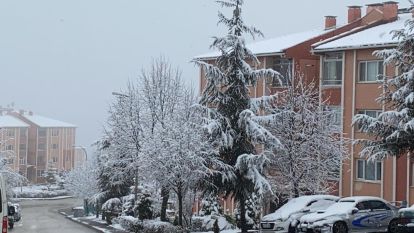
(233, 127)
(393, 130)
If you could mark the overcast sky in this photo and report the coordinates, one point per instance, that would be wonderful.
(63, 58)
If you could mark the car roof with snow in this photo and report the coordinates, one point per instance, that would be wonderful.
(360, 198)
(295, 205)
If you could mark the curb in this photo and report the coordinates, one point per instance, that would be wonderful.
(97, 229)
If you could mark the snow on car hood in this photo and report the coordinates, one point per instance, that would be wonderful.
(296, 205)
(338, 208)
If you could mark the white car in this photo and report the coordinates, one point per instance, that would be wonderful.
(351, 214)
(286, 217)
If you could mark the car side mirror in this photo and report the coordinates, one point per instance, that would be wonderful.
(354, 211)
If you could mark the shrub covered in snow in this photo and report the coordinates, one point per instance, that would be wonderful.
(39, 191)
(147, 226)
(206, 223)
(113, 204)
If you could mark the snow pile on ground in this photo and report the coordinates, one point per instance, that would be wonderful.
(39, 191)
(132, 224)
(206, 223)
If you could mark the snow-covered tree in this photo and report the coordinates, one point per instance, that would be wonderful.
(234, 129)
(393, 130)
(124, 134)
(312, 145)
(162, 88)
(82, 181)
(176, 156)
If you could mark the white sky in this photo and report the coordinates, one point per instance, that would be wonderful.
(63, 58)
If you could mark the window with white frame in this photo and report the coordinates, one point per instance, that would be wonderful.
(10, 132)
(332, 69)
(9, 147)
(284, 67)
(371, 71)
(55, 132)
(337, 113)
(369, 170)
(22, 160)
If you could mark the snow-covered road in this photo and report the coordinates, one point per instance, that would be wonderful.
(43, 217)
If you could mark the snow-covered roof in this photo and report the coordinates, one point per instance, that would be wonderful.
(47, 122)
(378, 36)
(7, 121)
(274, 45)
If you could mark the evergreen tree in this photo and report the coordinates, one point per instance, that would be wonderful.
(232, 124)
(393, 130)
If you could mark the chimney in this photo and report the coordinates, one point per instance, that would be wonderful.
(375, 6)
(30, 113)
(330, 22)
(390, 10)
(354, 13)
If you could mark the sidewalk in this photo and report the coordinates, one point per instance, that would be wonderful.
(91, 222)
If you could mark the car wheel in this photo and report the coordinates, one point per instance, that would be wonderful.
(339, 227)
(393, 227)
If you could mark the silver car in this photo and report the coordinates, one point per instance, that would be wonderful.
(351, 214)
(284, 219)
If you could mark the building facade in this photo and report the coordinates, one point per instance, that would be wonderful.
(361, 74)
(44, 145)
(341, 60)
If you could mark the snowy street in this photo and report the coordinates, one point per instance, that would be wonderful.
(42, 217)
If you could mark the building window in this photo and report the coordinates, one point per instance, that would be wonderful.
(22, 161)
(40, 173)
(55, 132)
(9, 147)
(332, 69)
(41, 146)
(337, 113)
(10, 132)
(55, 146)
(54, 159)
(23, 132)
(371, 71)
(284, 67)
(367, 170)
(41, 132)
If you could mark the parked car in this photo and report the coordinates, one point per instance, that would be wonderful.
(405, 221)
(352, 214)
(286, 217)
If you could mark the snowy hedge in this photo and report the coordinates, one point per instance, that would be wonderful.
(39, 191)
(132, 224)
(206, 223)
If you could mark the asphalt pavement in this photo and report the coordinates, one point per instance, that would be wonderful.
(42, 216)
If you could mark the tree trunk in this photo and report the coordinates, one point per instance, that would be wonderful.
(243, 221)
(296, 189)
(180, 206)
(165, 194)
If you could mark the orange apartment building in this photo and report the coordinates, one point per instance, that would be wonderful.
(40, 144)
(321, 56)
(358, 74)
